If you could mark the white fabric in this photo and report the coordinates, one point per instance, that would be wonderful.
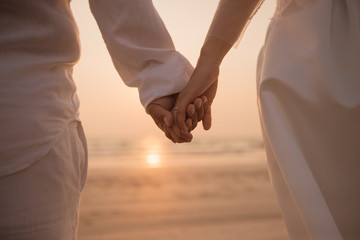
(141, 48)
(39, 46)
(42, 201)
(309, 103)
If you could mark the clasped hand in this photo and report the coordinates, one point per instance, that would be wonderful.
(177, 115)
(163, 113)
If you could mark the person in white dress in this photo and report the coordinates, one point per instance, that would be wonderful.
(308, 86)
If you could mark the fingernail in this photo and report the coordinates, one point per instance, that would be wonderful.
(199, 105)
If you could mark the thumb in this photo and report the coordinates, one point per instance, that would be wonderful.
(168, 118)
(160, 115)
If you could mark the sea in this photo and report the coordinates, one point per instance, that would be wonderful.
(153, 152)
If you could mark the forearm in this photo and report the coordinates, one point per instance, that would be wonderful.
(213, 51)
(231, 19)
(141, 48)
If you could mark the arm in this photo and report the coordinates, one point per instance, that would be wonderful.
(144, 55)
(230, 20)
(141, 48)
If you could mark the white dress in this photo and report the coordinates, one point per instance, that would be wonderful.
(309, 104)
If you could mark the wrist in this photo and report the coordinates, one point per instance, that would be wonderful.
(213, 51)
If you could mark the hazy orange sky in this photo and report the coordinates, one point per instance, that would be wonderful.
(109, 109)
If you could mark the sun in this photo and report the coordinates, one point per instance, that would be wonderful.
(153, 159)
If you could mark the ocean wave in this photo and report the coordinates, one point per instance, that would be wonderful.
(115, 147)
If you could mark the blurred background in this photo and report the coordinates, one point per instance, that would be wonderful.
(140, 185)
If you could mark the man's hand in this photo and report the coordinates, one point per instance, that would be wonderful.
(160, 111)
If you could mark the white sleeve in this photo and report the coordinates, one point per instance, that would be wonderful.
(141, 48)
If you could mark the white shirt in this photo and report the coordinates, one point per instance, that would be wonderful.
(39, 45)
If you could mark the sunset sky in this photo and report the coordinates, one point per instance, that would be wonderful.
(109, 109)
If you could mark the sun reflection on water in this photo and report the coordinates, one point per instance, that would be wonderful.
(153, 159)
(153, 147)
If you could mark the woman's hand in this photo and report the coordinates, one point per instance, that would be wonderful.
(203, 83)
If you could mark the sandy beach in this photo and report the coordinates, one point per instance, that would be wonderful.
(233, 200)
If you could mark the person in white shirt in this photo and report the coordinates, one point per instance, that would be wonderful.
(43, 156)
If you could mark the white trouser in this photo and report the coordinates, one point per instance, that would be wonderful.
(42, 201)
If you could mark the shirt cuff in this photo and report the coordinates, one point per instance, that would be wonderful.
(160, 79)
